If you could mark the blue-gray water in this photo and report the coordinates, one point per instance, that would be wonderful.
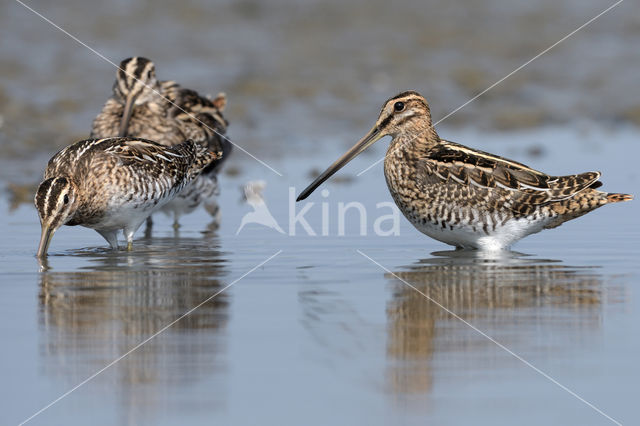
(320, 334)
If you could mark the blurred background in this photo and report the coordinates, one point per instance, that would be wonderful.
(301, 73)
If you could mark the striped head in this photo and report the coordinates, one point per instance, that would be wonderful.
(135, 84)
(56, 202)
(407, 113)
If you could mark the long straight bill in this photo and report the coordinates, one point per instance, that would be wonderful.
(364, 143)
(126, 115)
(45, 239)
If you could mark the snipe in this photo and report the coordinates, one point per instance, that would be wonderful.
(114, 184)
(462, 196)
(144, 107)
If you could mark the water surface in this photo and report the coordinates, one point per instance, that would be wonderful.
(321, 334)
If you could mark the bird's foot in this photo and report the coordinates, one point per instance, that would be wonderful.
(148, 230)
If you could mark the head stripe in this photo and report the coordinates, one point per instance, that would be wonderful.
(53, 195)
(132, 75)
(42, 196)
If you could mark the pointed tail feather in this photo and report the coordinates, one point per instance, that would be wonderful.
(201, 155)
(617, 198)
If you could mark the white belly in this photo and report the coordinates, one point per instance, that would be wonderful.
(129, 214)
(202, 189)
(465, 236)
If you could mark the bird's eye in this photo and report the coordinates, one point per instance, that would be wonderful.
(398, 106)
(66, 199)
(149, 74)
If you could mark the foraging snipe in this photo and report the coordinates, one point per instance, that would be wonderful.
(462, 196)
(114, 183)
(162, 111)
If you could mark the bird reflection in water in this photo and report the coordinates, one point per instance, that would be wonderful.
(90, 317)
(512, 297)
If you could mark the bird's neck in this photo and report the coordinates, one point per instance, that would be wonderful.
(413, 142)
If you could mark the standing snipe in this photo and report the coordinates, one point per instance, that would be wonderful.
(162, 111)
(114, 183)
(462, 196)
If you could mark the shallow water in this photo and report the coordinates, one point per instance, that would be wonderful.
(320, 333)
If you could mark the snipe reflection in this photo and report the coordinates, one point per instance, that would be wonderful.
(513, 297)
(90, 317)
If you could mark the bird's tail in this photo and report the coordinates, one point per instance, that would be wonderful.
(582, 203)
(200, 155)
(613, 197)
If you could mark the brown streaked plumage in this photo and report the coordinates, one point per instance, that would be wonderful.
(466, 197)
(165, 112)
(114, 183)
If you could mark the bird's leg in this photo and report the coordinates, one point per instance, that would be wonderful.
(128, 233)
(176, 224)
(111, 237)
(214, 211)
(149, 228)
